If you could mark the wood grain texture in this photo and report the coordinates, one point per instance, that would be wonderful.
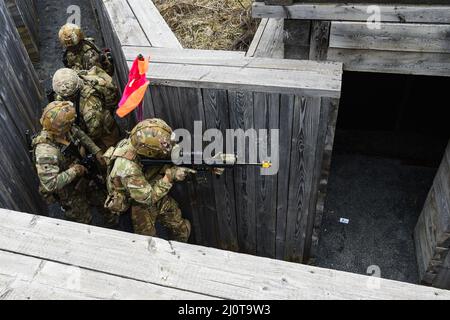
(391, 37)
(354, 12)
(269, 40)
(20, 107)
(147, 262)
(416, 63)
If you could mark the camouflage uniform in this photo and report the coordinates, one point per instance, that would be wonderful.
(145, 193)
(82, 53)
(58, 180)
(97, 98)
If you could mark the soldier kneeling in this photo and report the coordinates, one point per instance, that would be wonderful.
(146, 192)
(59, 171)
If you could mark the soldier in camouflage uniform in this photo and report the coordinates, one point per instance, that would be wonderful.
(95, 97)
(82, 53)
(60, 175)
(146, 192)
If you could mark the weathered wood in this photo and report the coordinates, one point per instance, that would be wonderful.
(354, 12)
(266, 117)
(268, 41)
(286, 130)
(417, 63)
(20, 98)
(27, 278)
(297, 39)
(320, 36)
(432, 232)
(153, 24)
(242, 117)
(303, 152)
(173, 266)
(25, 18)
(391, 37)
(217, 116)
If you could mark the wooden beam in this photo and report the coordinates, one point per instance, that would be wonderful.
(171, 265)
(391, 37)
(268, 41)
(354, 12)
(417, 63)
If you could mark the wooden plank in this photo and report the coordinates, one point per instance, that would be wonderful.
(269, 40)
(252, 79)
(320, 36)
(354, 12)
(190, 268)
(297, 39)
(124, 23)
(304, 140)
(287, 121)
(28, 278)
(192, 110)
(230, 59)
(153, 24)
(266, 116)
(391, 37)
(217, 115)
(417, 63)
(242, 117)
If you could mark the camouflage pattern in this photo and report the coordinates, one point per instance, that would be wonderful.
(146, 193)
(66, 82)
(58, 117)
(82, 53)
(97, 99)
(152, 138)
(58, 179)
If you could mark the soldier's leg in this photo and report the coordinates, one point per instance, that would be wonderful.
(143, 220)
(171, 217)
(76, 207)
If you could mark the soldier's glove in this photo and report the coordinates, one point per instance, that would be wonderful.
(178, 173)
(218, 171)
(100, 159)
(80, 170)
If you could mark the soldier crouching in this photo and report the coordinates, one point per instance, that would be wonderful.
(60, 174)
(146, 193)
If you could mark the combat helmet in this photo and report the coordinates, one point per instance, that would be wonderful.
(152, 138)
(58, 117)
(70, 35)
(66, 82)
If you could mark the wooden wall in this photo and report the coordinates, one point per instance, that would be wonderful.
(410, 39)
(272, 216)
(24, 14)
(432, 233)
(20, 97)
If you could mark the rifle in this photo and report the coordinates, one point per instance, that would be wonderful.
(89, 162)
(220, 161)
(29, 136)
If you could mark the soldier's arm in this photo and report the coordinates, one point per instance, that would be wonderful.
(48, 170)
(140, 189)
(93, 117)
(85, 140)
(90, 59)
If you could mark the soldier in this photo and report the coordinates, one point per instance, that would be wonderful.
(95, 98)
(146, 193)
(59, 172)
(81, 53)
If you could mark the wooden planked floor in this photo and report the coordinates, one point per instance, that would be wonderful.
(43, 258)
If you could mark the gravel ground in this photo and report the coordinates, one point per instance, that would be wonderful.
(53, 14)
(383, 199)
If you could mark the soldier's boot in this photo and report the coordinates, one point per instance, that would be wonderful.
(143, 220)
(171, 218)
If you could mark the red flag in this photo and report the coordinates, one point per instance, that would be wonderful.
(136, 88)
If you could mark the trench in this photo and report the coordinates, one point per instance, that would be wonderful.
(390, 138)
